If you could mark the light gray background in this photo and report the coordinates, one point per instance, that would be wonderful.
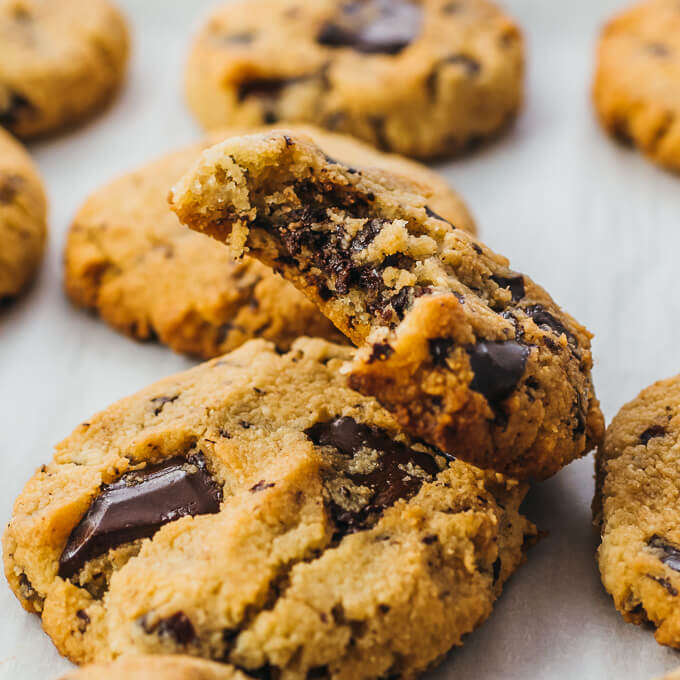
(594, 223)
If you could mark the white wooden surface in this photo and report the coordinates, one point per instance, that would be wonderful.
(594, 223)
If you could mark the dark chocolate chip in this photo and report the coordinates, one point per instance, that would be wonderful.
(380, 352)
(670, 555)
(497, 368)
(9, 187)
(471, 66)
(651, 433)
(261, 486)
(384, 608)
(440, 348)
(430, 539)
(477, 248)
(639, 612)
(263, 88)
(160, 402)
(374, 27)
(515, 284)
(137, 505)
(542, 317)
(84, 620)
(431, 213)
(266, 672)
(245, 38)
(496, 569)
(658, 49)
(178, 627)
(551, 344)
(402, 300)
(665, 583)
(579, 415)
(26, 587)
(318, 672)
(389, 481)
(381, 138)
(16, 108)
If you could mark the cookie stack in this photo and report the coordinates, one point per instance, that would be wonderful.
(336, 492)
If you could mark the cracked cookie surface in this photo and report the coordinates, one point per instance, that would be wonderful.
(469, 355)
(635, 507)
(23, 215)
(157, 667)
(257, 511)
(424, 78)
(129, 258)
(60, 61)
(637, 81)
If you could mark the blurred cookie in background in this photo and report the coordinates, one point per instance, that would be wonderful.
(129, 259)
(637, 79)
(60, 60)
(23, 214)
(425, 78)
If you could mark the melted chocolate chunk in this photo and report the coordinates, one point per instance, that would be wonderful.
(367, 234)
(542, 317)
(651, 433)
(16, 108)
(665, 583)
(374, 27)
(389, 481)
(137, 505)
(178, 627)
(670, 555)
(440, 348)
(515, 284)
(498, 367)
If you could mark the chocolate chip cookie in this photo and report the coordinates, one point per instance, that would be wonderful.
(637, 82)
(424, 78)
(160, 667)
(129, 258)
(60, 60)
(635, 508)
(23, 214)
(471, 356)
(257, 511)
